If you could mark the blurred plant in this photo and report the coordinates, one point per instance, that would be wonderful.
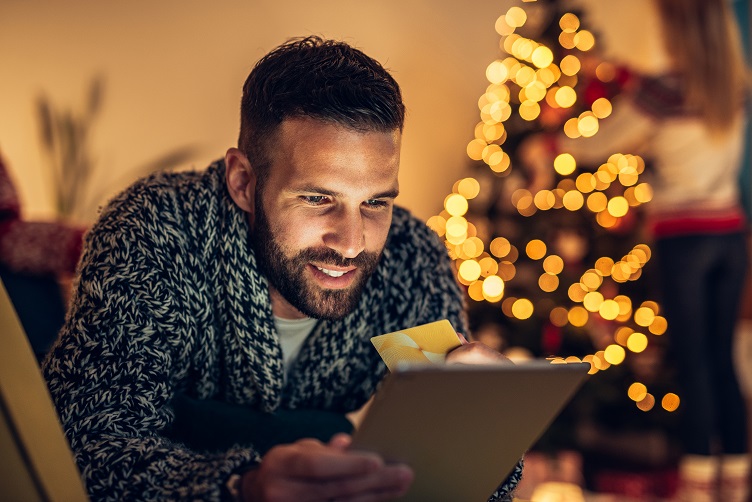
(65, 134)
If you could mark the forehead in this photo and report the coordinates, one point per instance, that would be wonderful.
(307, 150)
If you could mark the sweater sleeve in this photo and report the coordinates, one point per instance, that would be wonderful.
(118, 362)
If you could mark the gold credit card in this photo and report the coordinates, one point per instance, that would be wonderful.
(425, 344)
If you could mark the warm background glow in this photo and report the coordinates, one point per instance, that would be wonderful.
(173, 72)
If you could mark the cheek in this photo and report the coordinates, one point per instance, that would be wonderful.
(298, 234)
(376, 233)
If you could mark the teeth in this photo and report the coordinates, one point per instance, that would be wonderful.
(331, 273)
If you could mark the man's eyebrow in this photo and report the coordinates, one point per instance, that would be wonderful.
(387, 194)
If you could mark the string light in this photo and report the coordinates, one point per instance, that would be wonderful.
(525, 80)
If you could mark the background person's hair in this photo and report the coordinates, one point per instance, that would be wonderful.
(323, 79)
(703, 39)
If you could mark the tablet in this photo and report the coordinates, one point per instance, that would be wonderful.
(463, 428)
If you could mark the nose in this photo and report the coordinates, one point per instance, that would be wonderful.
(347, 233)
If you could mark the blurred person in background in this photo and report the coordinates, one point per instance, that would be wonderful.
(688, 121)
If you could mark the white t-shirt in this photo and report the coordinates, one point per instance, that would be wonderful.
(292, 334)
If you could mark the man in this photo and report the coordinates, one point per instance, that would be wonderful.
(258, 283)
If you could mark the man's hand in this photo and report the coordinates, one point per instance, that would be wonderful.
(476, 353)
(309, 470)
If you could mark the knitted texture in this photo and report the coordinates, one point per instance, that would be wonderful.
(169, 299)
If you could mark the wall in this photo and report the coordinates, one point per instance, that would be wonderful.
(173, 72)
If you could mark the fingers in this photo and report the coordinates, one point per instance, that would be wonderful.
(309, 470)
(476, 353)
(340, 441)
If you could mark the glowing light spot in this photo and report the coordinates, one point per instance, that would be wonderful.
(469, 270)
(535, 91)
(643, 193)
(647, 403)
(544, 200)
(614, 354)
(529, 110)
(493, 288)
(600, 360)
(553, 264)
(606, 219)
(625, 305)
(628, 178)
(499, 164)
(475, 291)
(670, 402)
(569, 22)
(644, 316)
(573, 200)
(469, 188)
(658, 326)
(589, 359)
(637, 342)
(546, 76)
(604, 265)
(524, 76)
(605, 72)
(490, 132)
(585, 182)
(507, 270)
(566, 96)
(567, 39)
(564, 164)
(475, 149)
(591, 279)
(535, 249)
(516, 17)
(570, 126)
(576, 292)
(496, 72)
(592, 301)
(542, 57)
(618, 207)
(570, 65)
(637, 391)
(455, 204)
(472, 247)
(456, 229)
(500, 247)
(558, 316)
(437, 224)
(548, 282)
(584, 40)
(588, 125)
(602, 108)
(502, 27)
(489, 150)
(609, 310)
(488, 266)
(621, 336)
(578, 316)
(522, 308)
(597, 202)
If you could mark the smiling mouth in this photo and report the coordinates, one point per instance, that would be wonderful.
(332, 273)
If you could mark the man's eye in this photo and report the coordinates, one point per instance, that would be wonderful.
(376, 203)
(314, 200)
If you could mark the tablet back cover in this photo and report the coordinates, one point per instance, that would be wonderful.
(463, 428)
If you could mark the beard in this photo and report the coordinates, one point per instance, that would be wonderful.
(286, 272)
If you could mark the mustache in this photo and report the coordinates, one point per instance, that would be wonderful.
(331, 257)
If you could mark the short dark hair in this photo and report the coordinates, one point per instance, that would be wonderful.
(326, 80)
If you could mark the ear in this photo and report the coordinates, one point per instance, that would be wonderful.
(241, 180)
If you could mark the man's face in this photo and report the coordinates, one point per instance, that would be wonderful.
(323, 214)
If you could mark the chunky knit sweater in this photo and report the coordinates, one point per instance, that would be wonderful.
(169, 299)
